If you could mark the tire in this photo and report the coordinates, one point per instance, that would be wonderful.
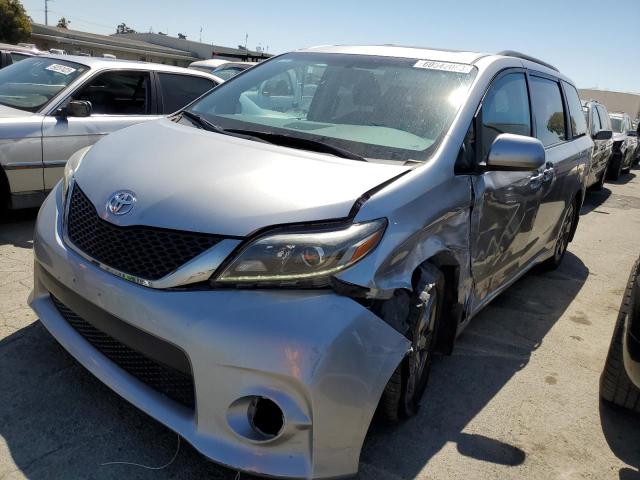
(616, 170)
(4, 198)
(615, 385)
(564, 237)
(405, 388)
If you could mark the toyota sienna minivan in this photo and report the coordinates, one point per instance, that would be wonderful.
(265, 269)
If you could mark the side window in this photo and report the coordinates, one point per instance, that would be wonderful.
(179, 90)
(596, 123)
(118, 93)
(604, 118)
(505, 109)
(548, 110)
(578, 123)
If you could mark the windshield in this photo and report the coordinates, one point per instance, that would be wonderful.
(377, 107)
(31, 83)
(227, 73)
(616, 124)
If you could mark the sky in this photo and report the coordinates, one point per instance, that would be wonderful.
(596, 45)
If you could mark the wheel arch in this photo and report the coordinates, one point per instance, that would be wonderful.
(447, 263)
(578, 198)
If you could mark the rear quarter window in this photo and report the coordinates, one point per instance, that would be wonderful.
(548, 110)
(180, 90)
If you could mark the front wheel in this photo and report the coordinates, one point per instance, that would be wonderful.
(616, 168)
(408, 383)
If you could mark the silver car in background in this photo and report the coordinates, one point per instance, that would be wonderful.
(600, 130)
(625, 144)
(263, 270)
(51, 106)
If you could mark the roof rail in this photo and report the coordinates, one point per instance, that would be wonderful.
(523, 56)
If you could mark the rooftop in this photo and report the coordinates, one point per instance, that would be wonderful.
(119, 42)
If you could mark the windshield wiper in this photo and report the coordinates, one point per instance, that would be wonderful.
(298, 142)
(274, 138)
(212, 127)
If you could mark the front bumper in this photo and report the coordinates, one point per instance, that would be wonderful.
(324, 359)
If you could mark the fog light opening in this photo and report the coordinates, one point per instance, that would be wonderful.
(265, 417)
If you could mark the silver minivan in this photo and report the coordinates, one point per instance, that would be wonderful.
(265, 269)
(51, 106)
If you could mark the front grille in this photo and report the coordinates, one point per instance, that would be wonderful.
(178, 386)
(146, 252)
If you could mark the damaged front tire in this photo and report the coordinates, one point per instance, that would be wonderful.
(406, 386)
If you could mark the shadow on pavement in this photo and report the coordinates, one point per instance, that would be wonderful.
(16, 228)
(625, 177)
(594, 199)
(496, 345)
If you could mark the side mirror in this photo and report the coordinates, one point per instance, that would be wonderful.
(515, 152)
(603, 135)
(79, 108)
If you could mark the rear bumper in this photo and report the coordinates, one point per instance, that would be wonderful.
(323, 358)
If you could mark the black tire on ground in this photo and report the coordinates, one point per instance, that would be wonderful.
(4, 198)
(615, 385)
(564, 236)
(615, 168)
(401, 396)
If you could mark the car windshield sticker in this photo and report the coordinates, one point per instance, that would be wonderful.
(444, 66)
(63, 69)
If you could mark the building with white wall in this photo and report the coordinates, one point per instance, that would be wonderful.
(614, 101)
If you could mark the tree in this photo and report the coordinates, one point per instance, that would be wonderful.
(122, 28)
(63, 23)
(15, 25)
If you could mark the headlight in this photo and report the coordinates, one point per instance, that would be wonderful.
(70, 168)
(301, 258)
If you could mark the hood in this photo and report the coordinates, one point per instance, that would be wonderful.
(190, 179)
(8, 112)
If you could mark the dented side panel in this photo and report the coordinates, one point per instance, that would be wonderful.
(432, 218)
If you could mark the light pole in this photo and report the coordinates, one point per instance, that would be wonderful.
(46, 11)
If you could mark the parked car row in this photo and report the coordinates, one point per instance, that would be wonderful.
(616, 145)
(264, 269)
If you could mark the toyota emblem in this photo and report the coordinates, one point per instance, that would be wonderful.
(121, 202)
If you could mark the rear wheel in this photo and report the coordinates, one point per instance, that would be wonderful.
(615, 385)
(408, 383)
(564, 236)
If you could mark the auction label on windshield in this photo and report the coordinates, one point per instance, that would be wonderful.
(444, 66)
(63, 69)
